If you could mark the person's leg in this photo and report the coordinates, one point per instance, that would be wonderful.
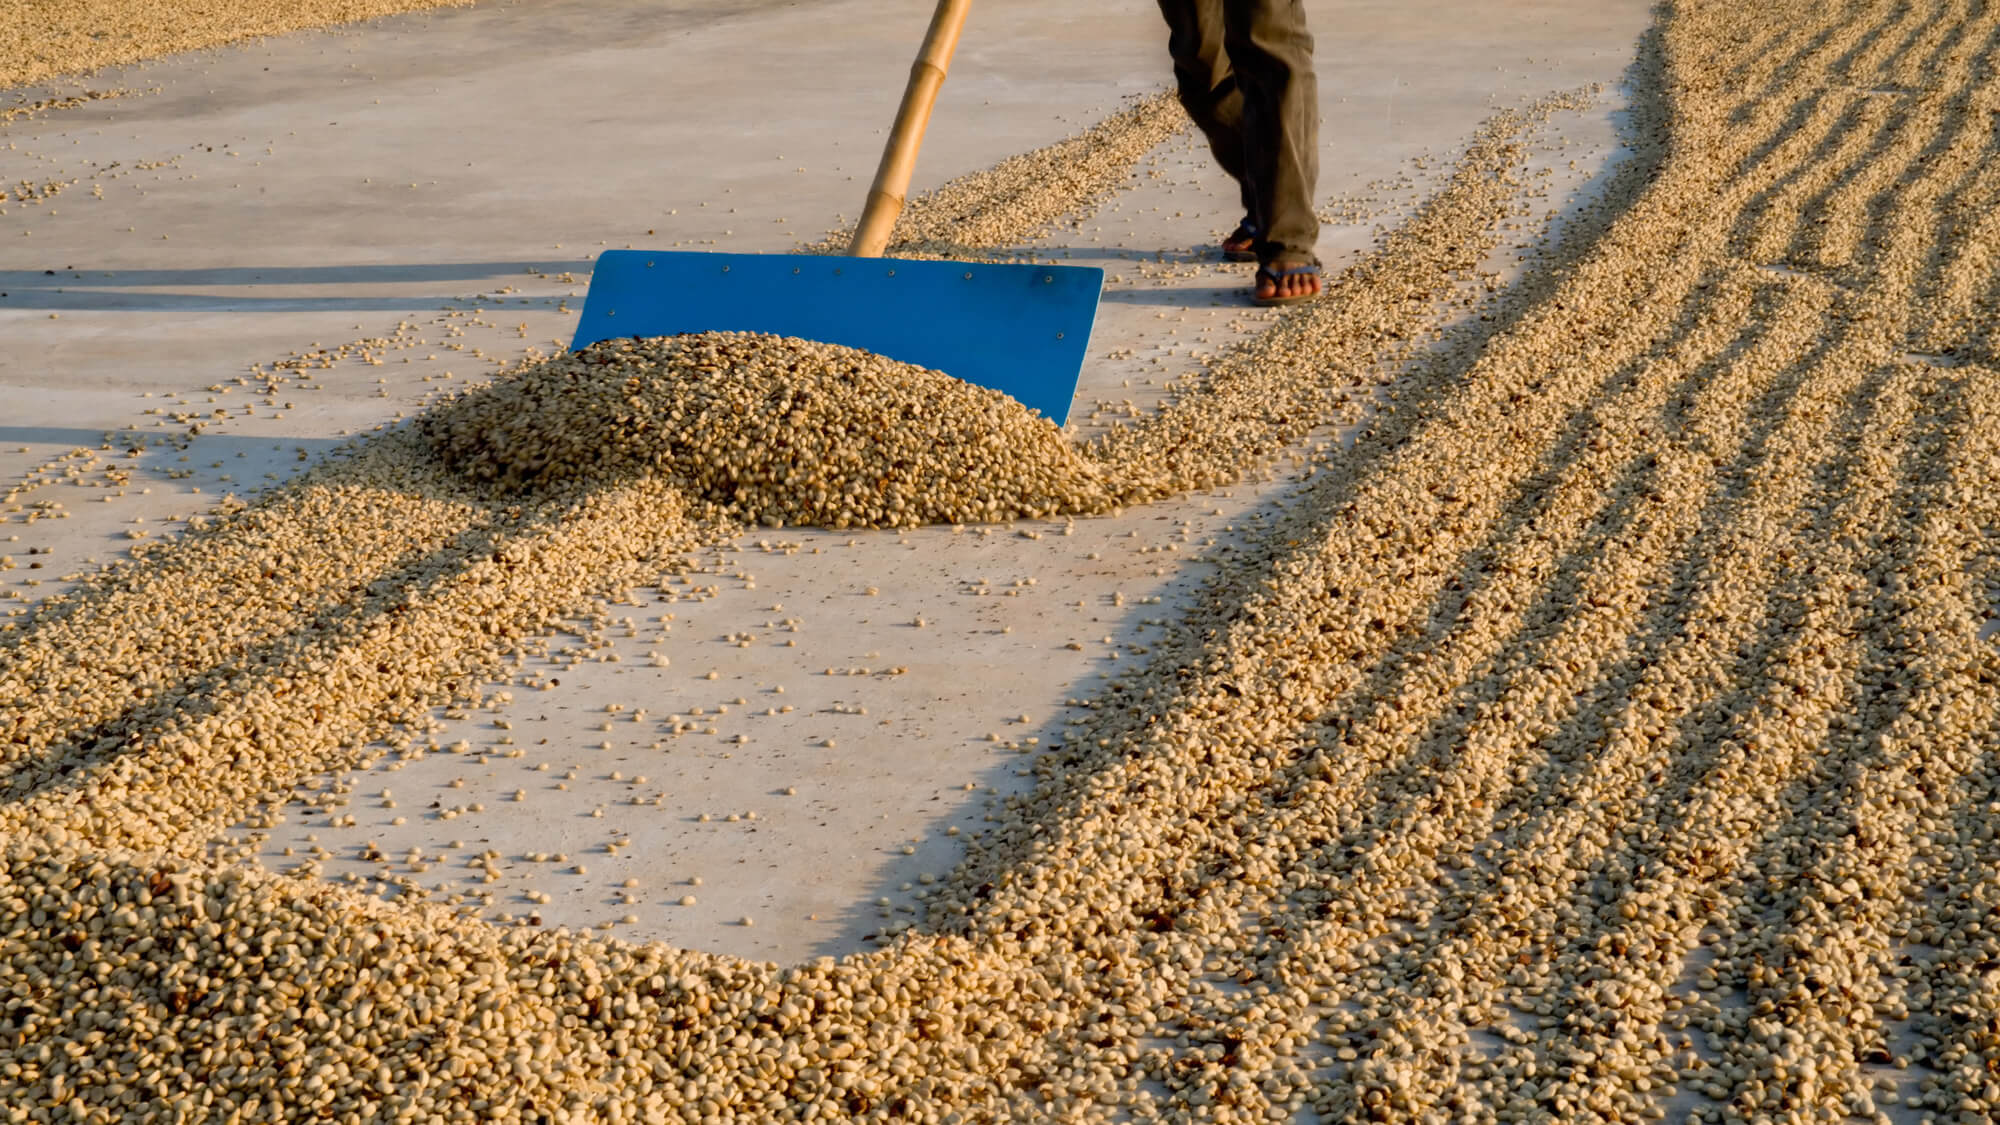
(1207, 86)
(1270, 52)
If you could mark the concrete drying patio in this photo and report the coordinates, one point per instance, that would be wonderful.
(455, 172)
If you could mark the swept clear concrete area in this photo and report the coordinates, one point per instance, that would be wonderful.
(842, 705)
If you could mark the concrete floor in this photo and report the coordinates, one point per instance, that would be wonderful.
(297, 194)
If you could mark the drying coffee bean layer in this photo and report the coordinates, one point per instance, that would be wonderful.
(42, 41)
(770, 430)
(1608, 732)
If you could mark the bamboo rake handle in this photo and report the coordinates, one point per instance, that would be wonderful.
(899, 156)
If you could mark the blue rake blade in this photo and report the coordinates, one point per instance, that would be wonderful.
(1019, 329)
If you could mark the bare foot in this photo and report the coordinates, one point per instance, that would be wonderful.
(1241, 244)
(1283, 282)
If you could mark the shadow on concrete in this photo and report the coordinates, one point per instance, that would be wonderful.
(83, 288)
(1227, 290)
(133, 441)
(86, 289)
(1185, 296)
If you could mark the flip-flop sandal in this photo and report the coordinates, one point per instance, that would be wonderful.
(1245, 234)
(1276, 275)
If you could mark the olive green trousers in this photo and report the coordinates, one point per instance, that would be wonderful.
(1244, 70)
